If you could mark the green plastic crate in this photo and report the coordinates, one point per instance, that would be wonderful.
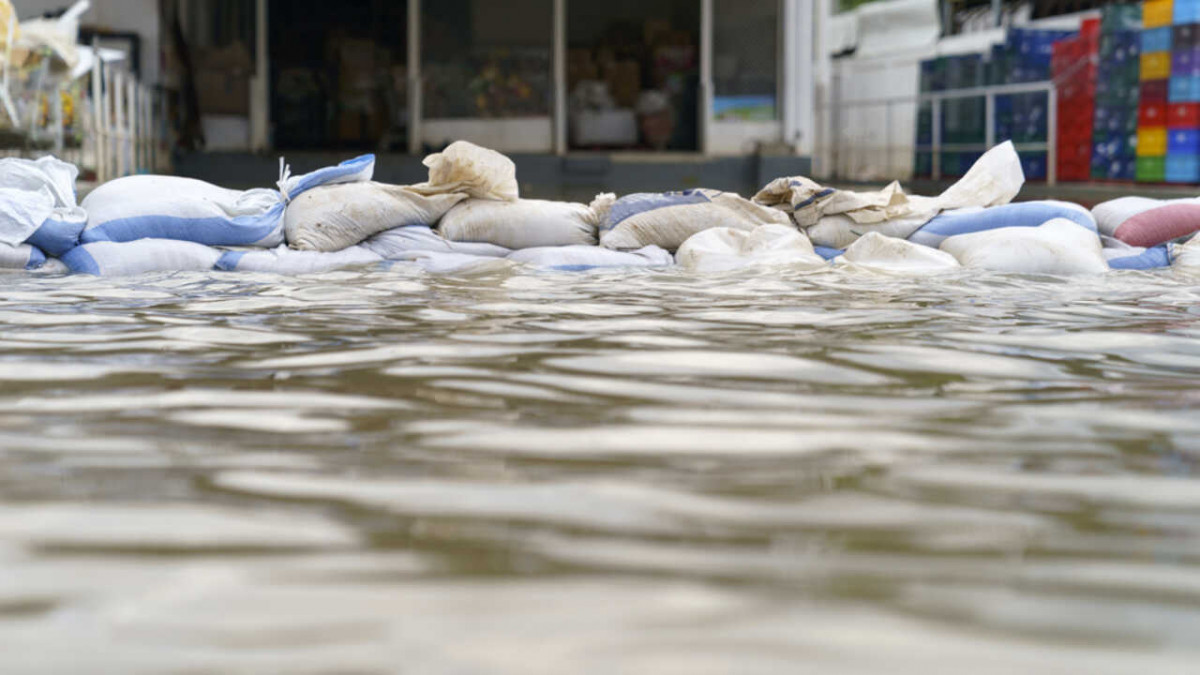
(1115, 18)
(1151, 169)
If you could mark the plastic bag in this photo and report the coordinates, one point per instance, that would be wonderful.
(1022, 214)
(874, 251)
(725, 248)
(591, 257)
(467, 168)
(110, 258)
(185, 209)
(1057, 247)
(524, 223)
(38, 200)
(668, 219)
(393, 243)
(334, 217)
(283, 260)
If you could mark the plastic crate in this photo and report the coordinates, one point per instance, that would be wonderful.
(1183, 142)
(1151, 169)
(1152, 114)
(1151, 141)
(1156, 39)
(1183, 115)
(1155, 66)
(1119, 18)
(1157, 13)
(1182, 169)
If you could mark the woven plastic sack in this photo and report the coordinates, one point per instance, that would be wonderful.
(110, 258)
(466, 168)
(668, 219)
(574, 258)
(334, 217)
(392, 244)
(875, 252)
(283, 260)
(725, 248)
(1058, 247)
(525, 223)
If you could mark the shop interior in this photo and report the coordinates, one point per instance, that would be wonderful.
(633, 74)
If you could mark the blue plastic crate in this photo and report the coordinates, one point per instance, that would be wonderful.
(1034, 165)
(1156, 39)
(1183, 142)
(1185, 11)
(1183, 168)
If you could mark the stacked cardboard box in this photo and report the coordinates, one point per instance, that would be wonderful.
(1073, 66)
(1183, 109)
(1114, 134)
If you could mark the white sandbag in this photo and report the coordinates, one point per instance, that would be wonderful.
(524, 223)
(875, 252)
(110, 258)
(1057, 247)
(1187, 256)
(185, 209)
(994, 179)
(668, 219)
(1020, 214)
(469, 169)
(393, 243)
(1122, 256)
(1145, 222)
(720, 249)
(334, 217)
(283, 260)
(21, 257)
(436, 262)
(590, 257)
(37, 204)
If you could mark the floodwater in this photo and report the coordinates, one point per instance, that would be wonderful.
(513, 471)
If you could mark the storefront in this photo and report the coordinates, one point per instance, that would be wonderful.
(714, 77)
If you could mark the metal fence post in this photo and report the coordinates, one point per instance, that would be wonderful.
(1052, 135)
(936, 172)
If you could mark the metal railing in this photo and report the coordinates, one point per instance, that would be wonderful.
(838, 109)
(125, 132)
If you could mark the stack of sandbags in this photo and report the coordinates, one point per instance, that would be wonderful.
(40, 217)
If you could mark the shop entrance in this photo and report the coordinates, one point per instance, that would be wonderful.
(339, 74)
(633, 74)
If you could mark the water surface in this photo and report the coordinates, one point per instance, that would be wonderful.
(516, 471)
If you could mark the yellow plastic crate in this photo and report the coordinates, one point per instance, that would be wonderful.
(1155, 66)
(1157, 13)
(1152, 141)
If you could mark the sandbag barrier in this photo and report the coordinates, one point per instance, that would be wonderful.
(469, 216)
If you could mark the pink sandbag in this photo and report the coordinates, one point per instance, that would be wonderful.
(1160, 225)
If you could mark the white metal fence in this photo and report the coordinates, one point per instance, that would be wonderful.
(853, 147)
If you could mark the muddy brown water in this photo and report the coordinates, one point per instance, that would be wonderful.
(641, 472)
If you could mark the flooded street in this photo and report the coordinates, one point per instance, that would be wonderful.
(514, 471)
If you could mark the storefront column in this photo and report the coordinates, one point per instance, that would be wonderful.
(799, 70)
(260, 92)
(415, 88)
(706, 75)
(559, 59)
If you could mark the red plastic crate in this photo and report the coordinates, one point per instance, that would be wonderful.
(1183, 115)
(1089, 30)
(1153, 91)
(1152, 114)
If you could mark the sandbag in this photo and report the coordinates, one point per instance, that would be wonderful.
(1158, 225)
(185, 209)
(1187, 256)
(334, 217)
(21, 257)
(391, 244)
(1022, 214)
(1128, 257)
(283, 260)
(525, 223)
(110, 258)
(994, 179)
(1113, 213)
(875, 252)
(466, 168)
(590, 257)
(37, 204)
(1058, 247)
(436, 262)
(667, 220)
(720, 249)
